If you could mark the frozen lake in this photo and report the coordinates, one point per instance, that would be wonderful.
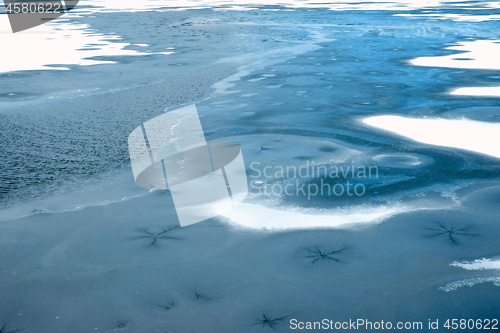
(390, 109)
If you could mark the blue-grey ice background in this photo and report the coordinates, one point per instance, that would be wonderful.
(290, 83)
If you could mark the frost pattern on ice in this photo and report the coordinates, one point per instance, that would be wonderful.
(476, 265)
(470, 282)
(479, 264)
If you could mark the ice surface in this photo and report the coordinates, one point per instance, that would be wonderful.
(477, 91)
(260, 217)
(470, 283)
(58, 45)
(84, 249)
(478, 264)
(467, 134)
(116, 5)
(478, 54)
